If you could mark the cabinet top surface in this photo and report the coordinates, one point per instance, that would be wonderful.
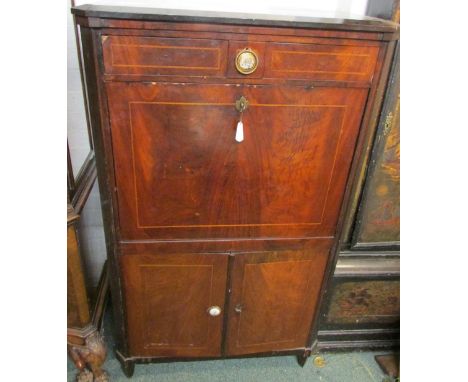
(337, 22)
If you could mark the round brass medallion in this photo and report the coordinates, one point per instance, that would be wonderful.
(246, 61)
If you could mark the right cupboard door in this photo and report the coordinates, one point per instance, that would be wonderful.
(274, 296)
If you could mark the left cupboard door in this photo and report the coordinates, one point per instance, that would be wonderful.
(174, 303)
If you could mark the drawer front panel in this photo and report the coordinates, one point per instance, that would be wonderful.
(136, 55)
(364, 302)
(167, 299)
(181, 174)
(321, 62)
(273, 301)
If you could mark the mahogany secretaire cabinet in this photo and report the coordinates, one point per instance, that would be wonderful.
(227, 146)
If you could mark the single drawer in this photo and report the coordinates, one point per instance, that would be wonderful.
(320, 62)
(136, 55)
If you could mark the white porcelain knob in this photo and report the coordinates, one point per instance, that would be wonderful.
(214, 311)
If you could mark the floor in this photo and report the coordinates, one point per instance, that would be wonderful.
(338, 367)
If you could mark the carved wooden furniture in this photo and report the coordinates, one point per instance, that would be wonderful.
(227, 146)
(85, 305)
(85, 308)
(362, 306)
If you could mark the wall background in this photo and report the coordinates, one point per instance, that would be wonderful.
(91, 231)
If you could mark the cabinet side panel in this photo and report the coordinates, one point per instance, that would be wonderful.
(92, 59)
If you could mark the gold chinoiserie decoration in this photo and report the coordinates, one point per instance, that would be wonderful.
(246, 61)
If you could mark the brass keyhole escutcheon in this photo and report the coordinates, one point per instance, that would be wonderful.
(246, 61)
(238, 308)
(242, 104)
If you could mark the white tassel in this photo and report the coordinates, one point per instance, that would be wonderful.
(240, 132)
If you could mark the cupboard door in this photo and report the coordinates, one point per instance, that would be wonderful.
(168, 298)
(181, 174)
(273, 300)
